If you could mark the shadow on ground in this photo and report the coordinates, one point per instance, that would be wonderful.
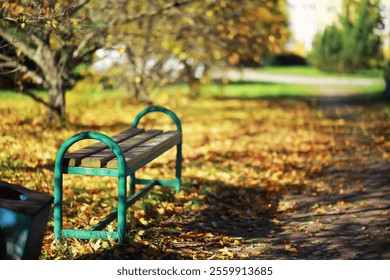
(230, 219)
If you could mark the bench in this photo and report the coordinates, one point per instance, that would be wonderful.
(119, 156)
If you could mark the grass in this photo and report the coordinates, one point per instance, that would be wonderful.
(258, 90)
(315, 72)
(248, 90)
(251, 90)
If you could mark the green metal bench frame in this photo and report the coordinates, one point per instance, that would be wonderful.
(122, 172)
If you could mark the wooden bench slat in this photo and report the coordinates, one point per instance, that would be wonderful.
(145, 150)
(100, 159)
(74, 158)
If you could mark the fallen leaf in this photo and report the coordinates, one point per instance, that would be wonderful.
(289, 247)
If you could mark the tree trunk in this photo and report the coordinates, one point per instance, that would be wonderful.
(191, 79)
(56, 109)
(194, 88)
(141, 94)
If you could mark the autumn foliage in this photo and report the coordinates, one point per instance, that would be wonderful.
(47, 42)
(249, 166)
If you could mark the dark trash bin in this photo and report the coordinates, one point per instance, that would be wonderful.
(24, 215)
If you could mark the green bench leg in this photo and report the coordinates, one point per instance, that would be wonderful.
(122, 209)
(132, 183)
(176, 183)
(179, 159)
(58, 186)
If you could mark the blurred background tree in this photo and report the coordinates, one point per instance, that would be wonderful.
(185, 43)
(351, 44)
(45, 42)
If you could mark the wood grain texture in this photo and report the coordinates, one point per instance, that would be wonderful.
(148, 149)
(100, 159)
(74, 158)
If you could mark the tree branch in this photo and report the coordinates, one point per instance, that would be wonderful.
(79, 6)
(159, 11)
(18, 67)
(82, 44)
(19, 44)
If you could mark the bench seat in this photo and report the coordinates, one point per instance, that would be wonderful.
(136, 145)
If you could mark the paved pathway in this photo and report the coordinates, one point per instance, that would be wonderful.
(356, 225)
(254, 75)
(342, 212)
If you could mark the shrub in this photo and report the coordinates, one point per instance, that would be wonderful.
(351, 44)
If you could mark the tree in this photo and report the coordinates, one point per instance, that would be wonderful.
(44, 41)
(186, 42)
(352, 43)
(55, 37)
(232, 33)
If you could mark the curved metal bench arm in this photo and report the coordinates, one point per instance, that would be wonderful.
(158, 109)
(122, 172)
(59, 168)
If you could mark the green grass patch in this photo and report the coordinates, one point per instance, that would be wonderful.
(315, 72)
(9, 94)
(258, 90)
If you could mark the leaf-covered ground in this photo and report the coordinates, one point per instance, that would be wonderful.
(263, 179)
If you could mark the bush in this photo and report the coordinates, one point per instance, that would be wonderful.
(327, 46)
(351, 44)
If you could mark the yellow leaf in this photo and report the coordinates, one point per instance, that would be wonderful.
(226, 252)
(165, 44)
(139, 213)
(209, 13)
(161, 210)
(176, 50)
(182, 55)
(121, 50)
(290, 248)
(18, 9)
(137, 238)
(217, 54)
(54, 24)
(138, 79)
(96, 246)
(55, 42)
(340, 122)
(74, 22)
(143, 221)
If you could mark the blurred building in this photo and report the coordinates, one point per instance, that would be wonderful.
(308, 17)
